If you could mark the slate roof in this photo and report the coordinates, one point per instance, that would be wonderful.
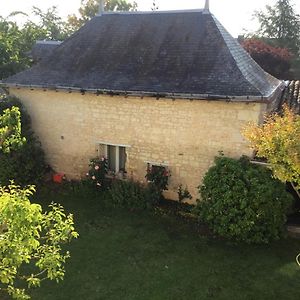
(291, 96)
(185, 54)
(43, 49)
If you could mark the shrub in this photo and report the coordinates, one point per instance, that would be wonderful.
(242, 201)
(133, 195)
(159, 176)
(97, 173)
(183, 194)
(25, 165)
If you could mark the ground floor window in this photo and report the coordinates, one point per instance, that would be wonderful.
(158, 174)
(116, 156)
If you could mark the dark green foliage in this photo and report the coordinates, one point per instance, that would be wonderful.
(27, 164)
(242, 201)
(97, 173)
(133, 195)
(159, 176)
(183, 194)
(90, 8)
(16, 41)
(127, 194)
(281, 25)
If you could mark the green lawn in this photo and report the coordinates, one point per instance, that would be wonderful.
(140, 255)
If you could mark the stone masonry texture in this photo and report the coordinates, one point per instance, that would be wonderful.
(182, 134)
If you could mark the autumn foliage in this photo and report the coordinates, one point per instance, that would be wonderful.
(278, 140)
(274, 60)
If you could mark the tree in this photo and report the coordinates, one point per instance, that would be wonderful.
(281, 25)
(278, 141)
(10, 130)
(51, 24)
(16, 42)
(90, 8)
(274, 60)
(22, 157)
(154, 6)
(31, 236)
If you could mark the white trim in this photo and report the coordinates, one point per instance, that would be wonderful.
(105, 150)
(112, 144)
(117, 153)
(261, 163)
(117, 159)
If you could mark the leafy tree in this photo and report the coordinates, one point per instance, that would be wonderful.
(31, 236)
(25, 161)
(51, 24)
(16, 42)
(90, 8)
(276, 61)
(281, 25)
(278, 140)
(14, 45)
(10, 130)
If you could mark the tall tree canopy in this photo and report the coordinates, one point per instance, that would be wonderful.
(17, 41)
(90, 8)
(281, 25)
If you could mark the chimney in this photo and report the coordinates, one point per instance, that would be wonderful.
(206, 7)
(101, 7)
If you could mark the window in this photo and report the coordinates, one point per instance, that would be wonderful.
(116, 156)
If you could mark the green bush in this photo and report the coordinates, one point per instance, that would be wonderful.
(133, 195)
(242, 201)
(27, 164)
(96, 175)
(159, 176)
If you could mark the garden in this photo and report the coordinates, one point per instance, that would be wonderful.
(142, 254)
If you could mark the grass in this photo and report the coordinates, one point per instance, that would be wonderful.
(141, 255)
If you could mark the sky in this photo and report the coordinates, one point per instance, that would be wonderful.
(235, 15)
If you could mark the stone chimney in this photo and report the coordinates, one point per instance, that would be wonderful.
(206, 7)
(101, 7)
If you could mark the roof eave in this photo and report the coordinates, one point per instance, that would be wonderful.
(188, 96)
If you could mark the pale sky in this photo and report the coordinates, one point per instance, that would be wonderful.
(235, 15)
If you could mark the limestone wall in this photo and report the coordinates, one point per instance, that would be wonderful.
(185, 135)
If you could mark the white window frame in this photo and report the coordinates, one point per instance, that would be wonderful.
(117, 158)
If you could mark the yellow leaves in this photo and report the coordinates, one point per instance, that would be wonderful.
(29, 235)
(278, 140)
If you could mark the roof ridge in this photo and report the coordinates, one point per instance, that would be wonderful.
(140, 12)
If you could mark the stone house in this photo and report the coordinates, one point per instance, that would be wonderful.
(145, 88)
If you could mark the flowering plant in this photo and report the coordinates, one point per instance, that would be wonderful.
(97, 172)
(159, 176)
